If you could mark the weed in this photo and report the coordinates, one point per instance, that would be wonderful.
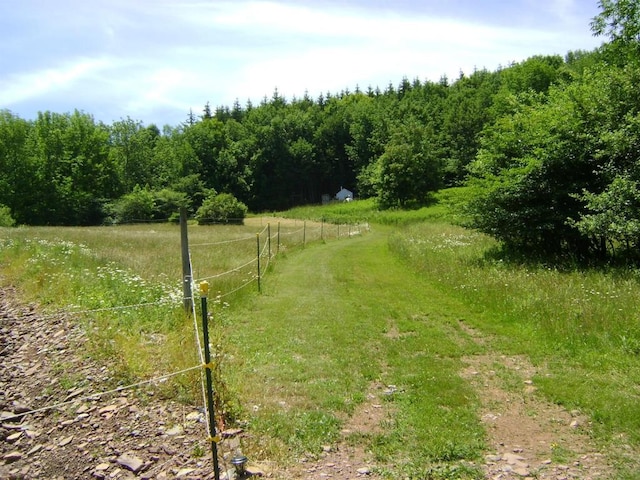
(198, 451)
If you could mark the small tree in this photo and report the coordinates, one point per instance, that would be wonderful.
(167, 204)
(221, 208)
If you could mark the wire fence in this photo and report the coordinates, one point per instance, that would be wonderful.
(228, 265)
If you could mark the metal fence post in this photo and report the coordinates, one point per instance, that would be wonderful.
(204, 291)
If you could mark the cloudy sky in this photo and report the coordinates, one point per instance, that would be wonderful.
(153, 60)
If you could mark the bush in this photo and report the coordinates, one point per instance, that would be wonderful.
(221, 208)
(6, 220)
(167, 204)
(136, 206)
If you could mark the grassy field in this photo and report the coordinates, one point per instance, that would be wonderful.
(336, 317)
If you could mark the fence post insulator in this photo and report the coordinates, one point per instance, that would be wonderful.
(204, 288)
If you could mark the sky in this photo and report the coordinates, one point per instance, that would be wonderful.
(155, 60)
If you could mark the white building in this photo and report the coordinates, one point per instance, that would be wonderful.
(344, 195)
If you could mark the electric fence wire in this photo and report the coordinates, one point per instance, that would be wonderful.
(221, 242)
(95, 396)
(160, 378)
(109, 309)
(233, 270)
(237, 289)
(294, 232)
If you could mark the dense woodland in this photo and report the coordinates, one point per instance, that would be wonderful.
(549, 148)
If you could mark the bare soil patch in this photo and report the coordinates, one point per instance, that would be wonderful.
(130, 433)
(529, 437)
(348, 459)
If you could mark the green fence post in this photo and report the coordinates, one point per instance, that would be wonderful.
(204, 290)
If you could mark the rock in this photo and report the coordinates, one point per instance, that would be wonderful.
(14, 437)
(522, 471)
(130, 462)
(107, 409)
(364, 471)
(20, 408)
(35, 449)
(102, 467)
(194, 417)
(183, 472)
(175, 430)
(9, 417)
(255, 471)
(65, 441)
(12, 457)
(512, 459)
(73, 393)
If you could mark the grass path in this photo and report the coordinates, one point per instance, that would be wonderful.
(349, 346)
(334, 318)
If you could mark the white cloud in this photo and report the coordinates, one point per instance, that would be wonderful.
(125, 58)
(27, 85)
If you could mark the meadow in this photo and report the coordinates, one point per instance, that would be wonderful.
(335, 317)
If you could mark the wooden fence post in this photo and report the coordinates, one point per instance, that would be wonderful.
(187, 277)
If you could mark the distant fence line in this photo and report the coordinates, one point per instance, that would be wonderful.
(268, 245)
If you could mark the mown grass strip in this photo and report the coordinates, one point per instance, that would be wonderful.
(307, 350)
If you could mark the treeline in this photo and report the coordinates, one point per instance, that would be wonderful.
(399, 145)
(550, 146)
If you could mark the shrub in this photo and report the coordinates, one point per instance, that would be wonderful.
(167, 204)
(6, 220)
(136, 206)
(221, 208)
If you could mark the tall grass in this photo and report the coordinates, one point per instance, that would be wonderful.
(445, 206)
(124, 284)
(582, 325)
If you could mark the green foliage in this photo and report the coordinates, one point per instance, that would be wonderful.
(615, 214)
(144, 204)
(539, 142)
(619, 20)
(221, 208)
(194, 190)
(6, 220)
(137, 206)
(409, 170)
(542, 168)
(167, 203)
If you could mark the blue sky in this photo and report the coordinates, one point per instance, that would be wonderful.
(153, 60)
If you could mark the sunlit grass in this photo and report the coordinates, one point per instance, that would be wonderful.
(125, 284)
(582, 325)
(306, 352)
(300, 357)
